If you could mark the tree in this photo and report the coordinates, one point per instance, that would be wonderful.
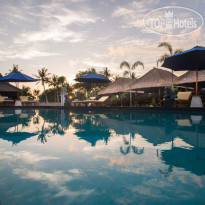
(36, 93)
(25, 91)
(14, 69)
(88, 71)
(129, 72)
(129, 147)
(170, 49)
(106, 72)
(84, 87)
(43, 77)
(166, 55)
(54, 82)
(62, 81)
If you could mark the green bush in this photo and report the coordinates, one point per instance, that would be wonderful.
(51, 94)
(154, 102)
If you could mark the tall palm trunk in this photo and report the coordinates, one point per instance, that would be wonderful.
(57, 94)
(130, 89)
(45, 92)
(130, 96)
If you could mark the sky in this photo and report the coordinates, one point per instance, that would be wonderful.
(67, 36)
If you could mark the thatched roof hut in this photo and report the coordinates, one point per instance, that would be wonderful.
(121, 85)
(8, 90)
(190, 77)
(153, 79)
(6, 87)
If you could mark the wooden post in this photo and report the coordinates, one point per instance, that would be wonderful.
(196, 80)
(172, 80)
(18, 97)
(130, 94)
(197, 67)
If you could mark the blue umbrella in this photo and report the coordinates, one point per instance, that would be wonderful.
(92, 78)
(192, 59)
(17, 77)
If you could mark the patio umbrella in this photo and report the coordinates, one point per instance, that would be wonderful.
(193, 59)
(92, 78)
(17, 77)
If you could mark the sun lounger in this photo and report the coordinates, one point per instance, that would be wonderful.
(26, 100)
(183, 97)
(100, 102)
(5, 99)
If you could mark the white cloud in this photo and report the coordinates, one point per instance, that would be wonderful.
(27, 157)
(55, 180)
(3, 31)
(64, 16)
(21, 54)
(91, 63)
(134, 14)
(53, 33)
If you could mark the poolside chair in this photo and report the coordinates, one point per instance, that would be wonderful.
(183, 97)
(5, 99)
(85, 103)
(26, 100)
(100, 102)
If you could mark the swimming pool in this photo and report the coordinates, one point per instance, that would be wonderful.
(101, 157)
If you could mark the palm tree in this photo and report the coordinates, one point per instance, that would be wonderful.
(36, 92)
(25, 91)
(62, 81)
(129, 72)
(170, 49)
(54, 82)
(166, 55)
(43, 77)
(129, 147)
(106, 72)
(14, 69)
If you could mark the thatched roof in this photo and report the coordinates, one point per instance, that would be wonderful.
(190, 77)
(154, 78)
(6, 87)
(121, 85)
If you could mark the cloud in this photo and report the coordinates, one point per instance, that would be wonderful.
(23, 54)
(91, 63)
(52, 33)
(61, 15)
(55, 22)
(121, 51)
(3, 31)
(115, 51)
(55, 180)
(27, 157)
(134, 13)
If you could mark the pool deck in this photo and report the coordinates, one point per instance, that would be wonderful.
(188, 109)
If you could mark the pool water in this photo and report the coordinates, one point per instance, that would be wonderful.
(101, 157)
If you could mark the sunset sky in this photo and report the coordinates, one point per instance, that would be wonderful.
(67, 36)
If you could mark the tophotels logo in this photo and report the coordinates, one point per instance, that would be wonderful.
(173, 21)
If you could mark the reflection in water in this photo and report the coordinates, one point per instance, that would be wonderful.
(90, 129)
(142, 151)
(130, 147)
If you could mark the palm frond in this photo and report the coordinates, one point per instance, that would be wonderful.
(178, 51)
(125, 64)
(162, 58)
(137, 63)
(126, 73)
(167, 46)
